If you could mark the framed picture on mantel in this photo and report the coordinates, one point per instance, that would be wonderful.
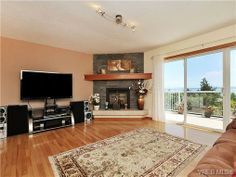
(119, 65)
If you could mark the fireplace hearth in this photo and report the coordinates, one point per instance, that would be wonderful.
(118, 98)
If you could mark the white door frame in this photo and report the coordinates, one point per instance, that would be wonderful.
(226, 87)
(185, 90)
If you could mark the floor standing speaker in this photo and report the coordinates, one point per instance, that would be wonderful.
(3, 122)
(17, 119)
(80, 110)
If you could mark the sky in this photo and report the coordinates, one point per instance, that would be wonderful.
(209, 66)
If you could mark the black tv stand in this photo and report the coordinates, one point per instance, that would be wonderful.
(42, 120)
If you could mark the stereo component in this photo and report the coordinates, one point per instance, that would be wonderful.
(3, 122)
(39, 122)
(80, 110)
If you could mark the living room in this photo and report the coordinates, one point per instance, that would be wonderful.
(119, 88)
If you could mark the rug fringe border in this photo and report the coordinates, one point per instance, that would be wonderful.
(185, 163)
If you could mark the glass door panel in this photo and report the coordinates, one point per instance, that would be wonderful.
(204, 90)
(174, 90)
(233, 83)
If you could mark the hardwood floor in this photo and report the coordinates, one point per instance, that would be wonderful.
(25, 155)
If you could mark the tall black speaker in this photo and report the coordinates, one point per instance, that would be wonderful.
(17, 119)
(80, 110)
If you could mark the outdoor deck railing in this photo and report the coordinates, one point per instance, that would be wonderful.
(197, 102)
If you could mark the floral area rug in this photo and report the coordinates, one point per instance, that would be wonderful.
(141, 152)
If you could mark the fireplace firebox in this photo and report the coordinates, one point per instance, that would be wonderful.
(118, 98)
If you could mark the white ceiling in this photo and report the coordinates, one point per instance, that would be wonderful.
(75, 25)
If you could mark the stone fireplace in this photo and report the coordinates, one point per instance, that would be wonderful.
(110, 90)
(118, 98)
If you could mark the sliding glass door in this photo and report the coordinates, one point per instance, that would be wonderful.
(201, 90)
(174, 90)
(204, 90)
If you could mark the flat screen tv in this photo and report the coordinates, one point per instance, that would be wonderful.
(43, 85)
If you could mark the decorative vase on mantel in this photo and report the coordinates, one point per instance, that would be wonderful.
(141, 102)
(96, 107)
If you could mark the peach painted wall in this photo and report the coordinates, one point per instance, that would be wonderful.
(18, 55)
(0, 72)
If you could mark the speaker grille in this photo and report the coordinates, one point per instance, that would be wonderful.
(17, 119)
(86, 105)
(3, 115)
(88, 115)
(3, 122)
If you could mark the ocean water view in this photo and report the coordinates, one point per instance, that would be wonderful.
(217, 89)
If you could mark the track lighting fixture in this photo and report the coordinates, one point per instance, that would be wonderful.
(118, 19)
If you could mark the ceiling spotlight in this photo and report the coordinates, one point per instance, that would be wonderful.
(100, 12)
(133, 27)
(118, 19)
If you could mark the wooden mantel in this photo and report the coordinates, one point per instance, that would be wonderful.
(120, 76)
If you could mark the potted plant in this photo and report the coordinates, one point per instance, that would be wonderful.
(234, 112)
(208, 111)
(141, 90)
(180, 108)
(95, 101)
(233, 108)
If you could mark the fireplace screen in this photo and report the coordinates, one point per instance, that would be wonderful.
(118, 98)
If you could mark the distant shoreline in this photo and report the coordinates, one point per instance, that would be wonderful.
(196, 89)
